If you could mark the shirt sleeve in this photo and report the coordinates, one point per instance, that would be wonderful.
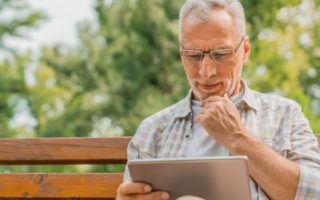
(305, 152)
(132, 153)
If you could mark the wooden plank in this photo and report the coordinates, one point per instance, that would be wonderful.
(55, 185)
(17, 151)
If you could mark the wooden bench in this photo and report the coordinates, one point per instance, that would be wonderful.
(55, 151)
(61, 151)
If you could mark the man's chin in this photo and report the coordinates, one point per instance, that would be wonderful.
(202, 96)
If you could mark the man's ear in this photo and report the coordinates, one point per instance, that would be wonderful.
(246, 48)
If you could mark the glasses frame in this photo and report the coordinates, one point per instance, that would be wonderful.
(211, 52)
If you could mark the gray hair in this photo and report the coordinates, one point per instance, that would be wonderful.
(200, 10)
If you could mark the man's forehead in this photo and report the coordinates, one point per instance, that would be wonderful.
(207, 45)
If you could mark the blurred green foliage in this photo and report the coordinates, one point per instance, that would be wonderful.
(127, 66)
(12, 67)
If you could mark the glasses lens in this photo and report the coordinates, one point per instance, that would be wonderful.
(223, 55)
(191, 56)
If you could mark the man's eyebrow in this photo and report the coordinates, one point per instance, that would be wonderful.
(218, 48)
(224, 46)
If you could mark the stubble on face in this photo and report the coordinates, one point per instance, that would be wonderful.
(229, 86)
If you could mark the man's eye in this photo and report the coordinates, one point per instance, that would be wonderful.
(222, 56)
(194, 56)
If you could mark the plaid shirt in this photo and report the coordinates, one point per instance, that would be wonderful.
(277, 121)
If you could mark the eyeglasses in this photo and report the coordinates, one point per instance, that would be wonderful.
(218, 55)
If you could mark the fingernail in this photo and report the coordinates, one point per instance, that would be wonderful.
(147, 188)
(165, 195)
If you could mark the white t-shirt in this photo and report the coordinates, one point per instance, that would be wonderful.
(203, 145)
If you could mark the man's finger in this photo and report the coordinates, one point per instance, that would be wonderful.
(216, 104)
(129, 188)
(212, 99)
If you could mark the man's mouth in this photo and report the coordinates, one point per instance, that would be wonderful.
(209, 86)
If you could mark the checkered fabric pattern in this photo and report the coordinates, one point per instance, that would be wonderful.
(277, 121)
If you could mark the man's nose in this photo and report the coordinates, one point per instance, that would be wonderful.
(208, 67)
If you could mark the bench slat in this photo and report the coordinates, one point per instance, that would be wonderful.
(30, 151)
(58, 185)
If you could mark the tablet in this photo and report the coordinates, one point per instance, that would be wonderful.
(210, 178)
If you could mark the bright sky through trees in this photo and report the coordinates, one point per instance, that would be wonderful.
(60, 27)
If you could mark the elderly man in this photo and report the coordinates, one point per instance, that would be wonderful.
(221, 116)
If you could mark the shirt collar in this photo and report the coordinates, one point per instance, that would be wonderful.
(184, 106)
(249, 97)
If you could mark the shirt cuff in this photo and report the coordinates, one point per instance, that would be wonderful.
(309, 184)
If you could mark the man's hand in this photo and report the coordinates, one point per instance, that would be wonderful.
(141, 191)
(221, 120)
